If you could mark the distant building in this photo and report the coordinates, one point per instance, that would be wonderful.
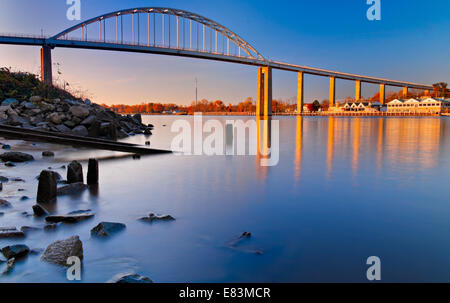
(426, 105)
(367, 107)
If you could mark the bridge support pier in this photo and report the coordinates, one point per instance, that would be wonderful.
(332, 91)
(46, 65)
(382, 94)
(300, 94)
(264, 92)
(405, 92)
(358, 90)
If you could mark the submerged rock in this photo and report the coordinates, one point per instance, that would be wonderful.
(48, 153)
(26, 229)
(9, 266)
(39, 211)
(15, 251)
(72, 217)
(105, 229)
(17, 157)
(59, 251)
(130, 278)
(51, 226)
(152, 217)
(4, 204)
(71, 189)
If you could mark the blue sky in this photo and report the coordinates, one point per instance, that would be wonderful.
(410, 43)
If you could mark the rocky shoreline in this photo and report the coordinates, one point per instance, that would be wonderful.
(76, 117)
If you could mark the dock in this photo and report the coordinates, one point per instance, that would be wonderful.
(20, 133)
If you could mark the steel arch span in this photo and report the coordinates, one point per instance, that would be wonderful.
(193, 32)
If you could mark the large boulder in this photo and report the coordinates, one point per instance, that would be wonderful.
(81, 131)
(75, 173)
(79, 111)
(47, 187)
(59, 251)
(10, 102)
(55, 118)
(35, 99)
(105, 229)
(16, 157)
(63, 128)
(28, 105)
(15, 251)
(89, 120)
(106, 115)
(130, 278)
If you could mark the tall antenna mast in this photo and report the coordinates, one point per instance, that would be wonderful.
(196, 91)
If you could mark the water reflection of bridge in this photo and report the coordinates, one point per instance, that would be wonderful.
(413, 141)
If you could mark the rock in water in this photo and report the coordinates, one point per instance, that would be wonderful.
(4, 204)
(59, 251)
(9, 266)
(47, 188)
(153, 217)
(75, 173)
(92, 176)
(130, 278)
(105, 229)
(15, 251)
(72, 217)
(138, 117)
(10, 232)
(16, 157)
(71, 189)
(39, 211)
(48, 153)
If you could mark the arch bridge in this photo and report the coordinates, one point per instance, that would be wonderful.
(175, 32)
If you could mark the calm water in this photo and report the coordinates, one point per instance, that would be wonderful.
(344, 189)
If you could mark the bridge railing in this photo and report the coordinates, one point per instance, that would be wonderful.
(153, 45)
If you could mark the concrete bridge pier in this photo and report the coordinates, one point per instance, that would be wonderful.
(383, 93)
(332, 91)
(264, 92)
(300, 93)
(46, 65)
(358, 90)
(405, 92)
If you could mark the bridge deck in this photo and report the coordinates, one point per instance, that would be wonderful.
(40, 41)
